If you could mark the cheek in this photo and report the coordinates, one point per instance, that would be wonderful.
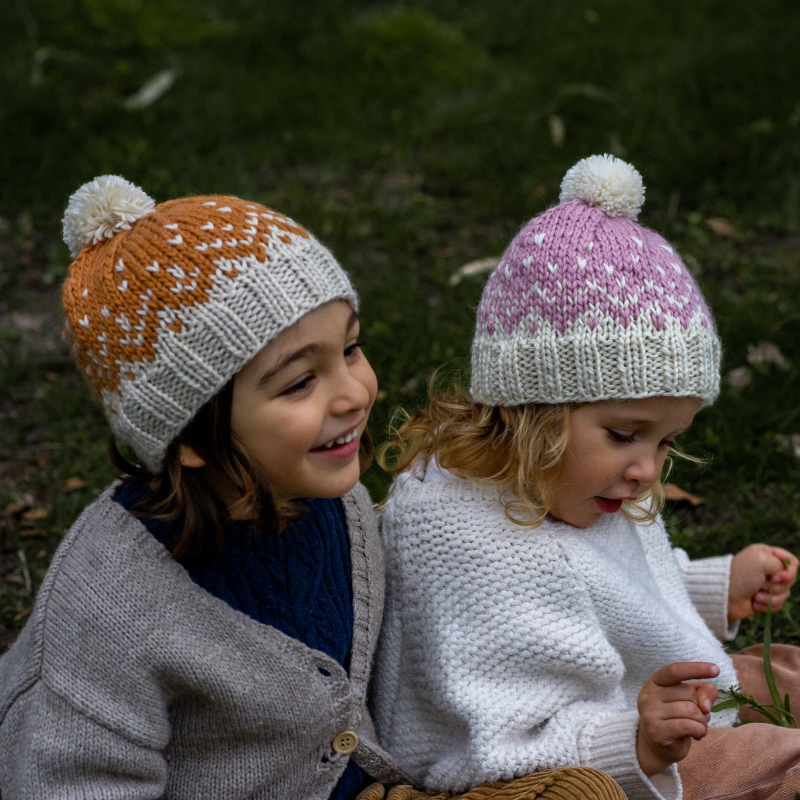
(261, 429)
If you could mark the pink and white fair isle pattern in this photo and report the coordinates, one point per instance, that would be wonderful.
(585, 307)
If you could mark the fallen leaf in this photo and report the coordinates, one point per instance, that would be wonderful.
(673, 492)
(35, 513)
(73, 483)
(15, 508)
(557, 131)
(33, 532)
(20, 615)
(721, 227)
(152, 90)
(381, 394)
(476, 267)
(766, 353)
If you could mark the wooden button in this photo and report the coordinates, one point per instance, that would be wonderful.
(345, 742)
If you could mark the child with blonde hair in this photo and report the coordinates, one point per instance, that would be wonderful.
(207, 627)
(536, 615)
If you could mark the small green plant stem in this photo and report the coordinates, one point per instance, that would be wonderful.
(735, 698)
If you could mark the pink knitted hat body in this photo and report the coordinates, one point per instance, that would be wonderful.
(587, 305)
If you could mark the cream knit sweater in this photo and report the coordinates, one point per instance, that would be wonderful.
(507, 649)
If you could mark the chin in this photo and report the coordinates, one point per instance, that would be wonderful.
(332, 489)
(583, 522)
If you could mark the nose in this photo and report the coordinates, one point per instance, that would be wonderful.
(645, 469)
(352, 391)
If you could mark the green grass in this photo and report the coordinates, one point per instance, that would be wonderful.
(411, 137)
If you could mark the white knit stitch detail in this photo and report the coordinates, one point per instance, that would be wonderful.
(607, 182)
(707, 581)
(585, 364)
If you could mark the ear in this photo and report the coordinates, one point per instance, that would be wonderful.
(189, 457)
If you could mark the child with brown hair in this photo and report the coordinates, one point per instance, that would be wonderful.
(536, 615)
(207, 626)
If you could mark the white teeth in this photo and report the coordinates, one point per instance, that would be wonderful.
(341, 440)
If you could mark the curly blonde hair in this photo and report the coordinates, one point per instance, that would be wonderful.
(517, 447)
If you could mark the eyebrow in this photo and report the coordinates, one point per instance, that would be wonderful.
(301, 352)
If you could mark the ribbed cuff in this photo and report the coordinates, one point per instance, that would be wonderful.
(610, 746)
(708, 580)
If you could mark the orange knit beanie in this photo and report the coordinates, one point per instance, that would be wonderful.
(165, 304)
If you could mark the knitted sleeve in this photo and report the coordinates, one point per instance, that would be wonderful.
(80, 713)
(492, 663)
(40, 759)
(707, 580)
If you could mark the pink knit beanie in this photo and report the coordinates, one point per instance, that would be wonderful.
(586, 305)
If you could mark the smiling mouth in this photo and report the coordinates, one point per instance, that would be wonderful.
(339, 441)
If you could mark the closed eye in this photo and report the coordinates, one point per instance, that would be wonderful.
(618, 436)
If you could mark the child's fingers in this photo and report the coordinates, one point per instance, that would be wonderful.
(761, 599)
(706, 694)
(678, 693)
(670, 674)
(684, 709)
(672, 730)
(789, 565)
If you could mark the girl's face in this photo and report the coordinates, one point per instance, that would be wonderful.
(300, 406)
(616, 451)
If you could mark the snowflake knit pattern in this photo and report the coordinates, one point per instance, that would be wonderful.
(165, 304)
(586, 305)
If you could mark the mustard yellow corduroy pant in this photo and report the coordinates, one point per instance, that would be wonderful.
(566, 783)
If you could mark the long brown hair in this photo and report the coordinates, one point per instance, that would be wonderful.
(187, 492)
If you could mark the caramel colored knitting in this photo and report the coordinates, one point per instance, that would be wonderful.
(121, 312)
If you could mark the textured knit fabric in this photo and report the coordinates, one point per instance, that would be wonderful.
(573, 783)
(166, 303)
(507, 650)
(298, 581)
(586, 304)
(130, 681)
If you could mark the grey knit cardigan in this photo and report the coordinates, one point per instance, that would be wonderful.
(130, 681)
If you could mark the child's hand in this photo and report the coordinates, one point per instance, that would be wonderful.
(751, 572)
(672, 713)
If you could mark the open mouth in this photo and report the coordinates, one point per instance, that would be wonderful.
(608, 505)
